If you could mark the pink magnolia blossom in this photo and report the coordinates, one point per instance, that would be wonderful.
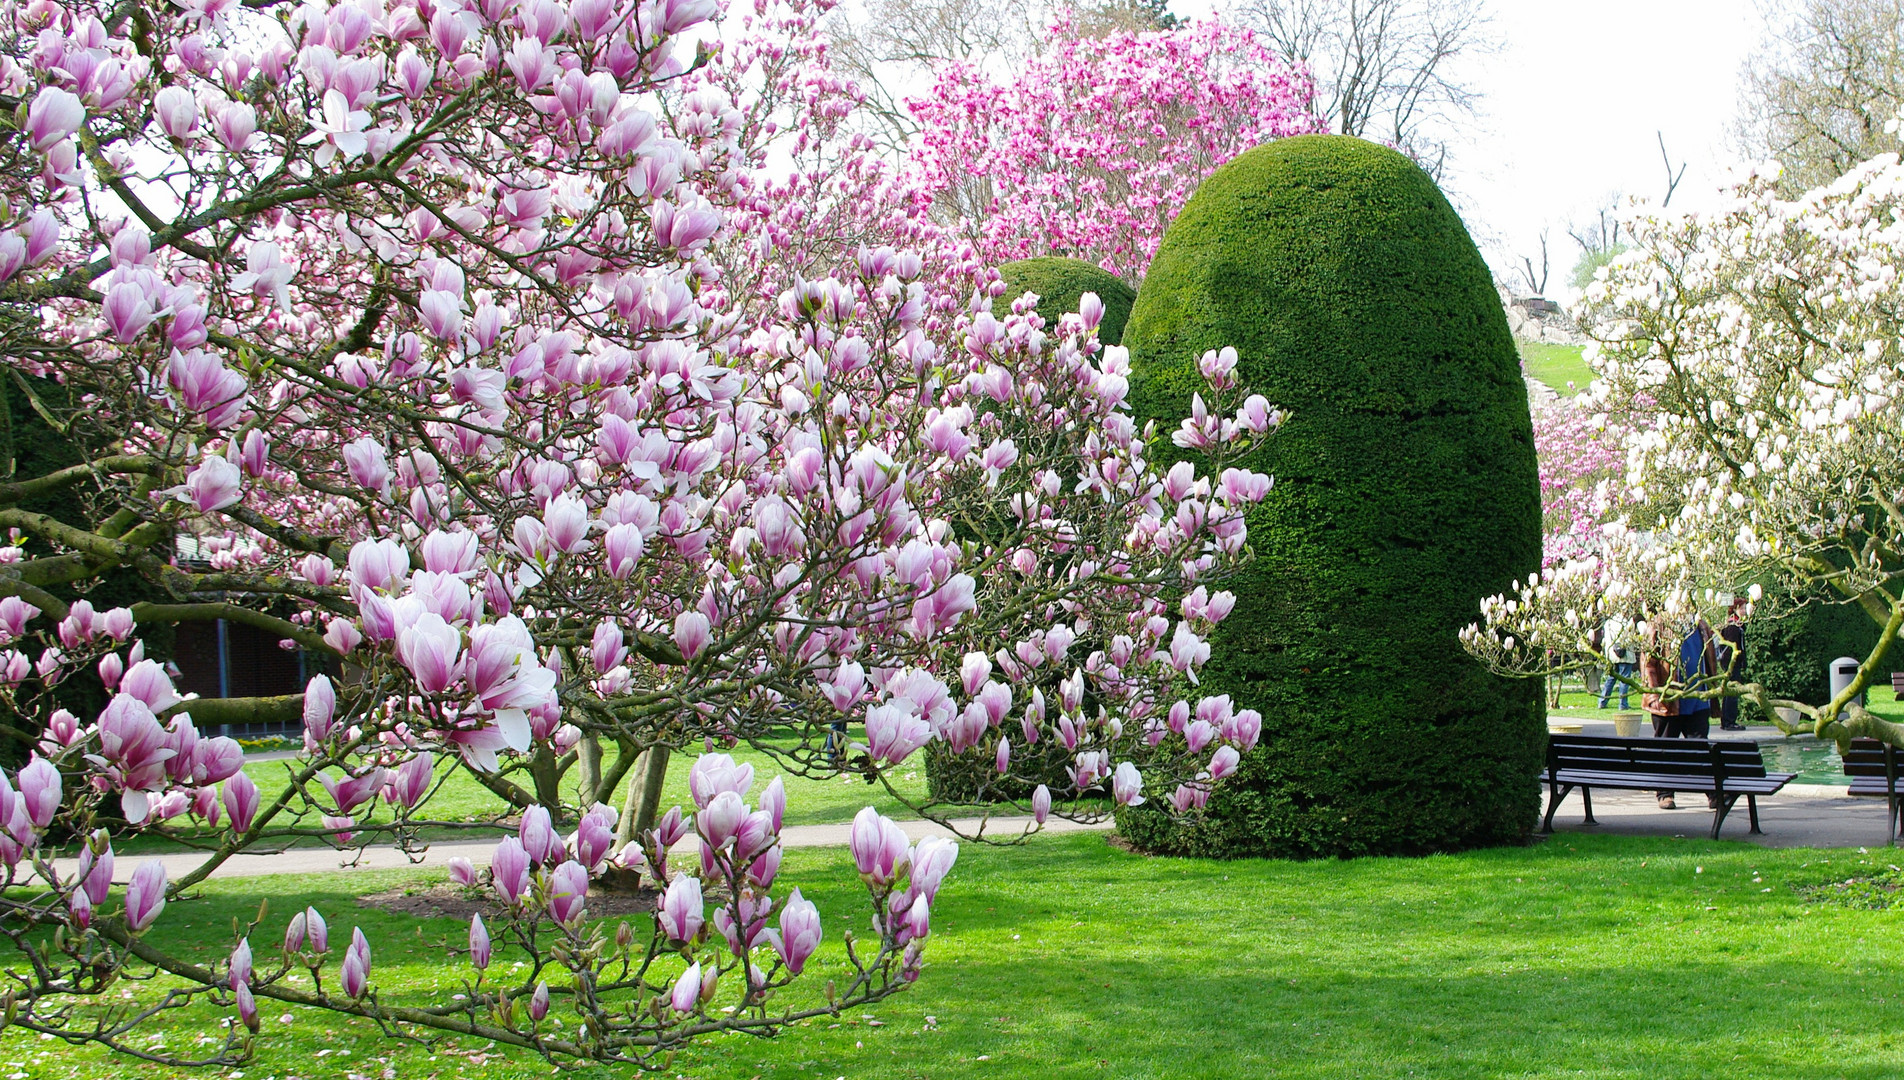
(799, 932)
(716, 774)
(238, 965)
(538, 836)
(691, 633)
(686, 994)
(893, 733)
(338, 130)
(40, 791)
(213, 485)
(355, 972)
(235, 126)
(681, 912)
(177, 111)
(53, 115)
(568, 893)
(145, 896)
(241, 798)
(15, 613)
(880, 848)
(478, 943)
(509, 870)
(1223, 763)
(431, 648)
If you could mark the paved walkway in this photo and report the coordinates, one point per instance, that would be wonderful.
(1801, 815)
(315, 860)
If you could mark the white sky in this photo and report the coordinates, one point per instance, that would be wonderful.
(1571, 105)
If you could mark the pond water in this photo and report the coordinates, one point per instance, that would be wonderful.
(1815, 762)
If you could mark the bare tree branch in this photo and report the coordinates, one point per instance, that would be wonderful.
(1536, 280)
(1672, 178)
(1384, 69)
(1823, 88)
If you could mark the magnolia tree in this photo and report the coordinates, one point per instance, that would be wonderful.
(1096, 144)
(1755, 348)
(419, 324)
(1581, 452)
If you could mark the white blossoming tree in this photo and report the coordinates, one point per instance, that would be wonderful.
(1762, 344)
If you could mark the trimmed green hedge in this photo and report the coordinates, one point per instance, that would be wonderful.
(1059, 282)
(1406, 490)
(1788, 652)
(31, 447)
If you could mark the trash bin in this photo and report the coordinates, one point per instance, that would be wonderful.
(1844, 671)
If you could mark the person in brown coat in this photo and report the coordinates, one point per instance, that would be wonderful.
(1676, 718)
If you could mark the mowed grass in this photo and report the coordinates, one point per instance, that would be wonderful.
(1557, 366)
(1584, 956)
(1579, 702)
(463, 801)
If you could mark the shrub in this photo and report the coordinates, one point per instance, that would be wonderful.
(970, 779)
(1406, 490)
(1789, 652)
(1059, 282)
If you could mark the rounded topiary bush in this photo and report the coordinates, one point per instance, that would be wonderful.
(1406, 490)
(1059, 282)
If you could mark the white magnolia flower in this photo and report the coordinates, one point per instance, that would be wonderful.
(340, 129)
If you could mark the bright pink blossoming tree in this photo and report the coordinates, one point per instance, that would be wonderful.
(1580, 453)
(1092, 149)
(409, 333)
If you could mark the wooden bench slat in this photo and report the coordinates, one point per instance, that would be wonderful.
(1679, 781)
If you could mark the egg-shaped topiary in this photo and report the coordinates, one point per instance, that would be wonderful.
(1406, 490)
(1059, 282)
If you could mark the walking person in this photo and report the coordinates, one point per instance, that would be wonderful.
(1616, 641)
(1730, 650)
(1686, 661)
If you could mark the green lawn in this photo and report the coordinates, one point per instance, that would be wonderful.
(1585, 956)
(808, 801)
(1557, 366)
(1580, 702)
(462, 799)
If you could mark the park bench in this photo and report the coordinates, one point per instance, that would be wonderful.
(1723, 769)
(1872, 767)
(1897, 684)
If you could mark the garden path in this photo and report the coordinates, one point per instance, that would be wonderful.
(385, 857)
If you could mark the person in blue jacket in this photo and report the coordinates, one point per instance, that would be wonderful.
(1693, 719)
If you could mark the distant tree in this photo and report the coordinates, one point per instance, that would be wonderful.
(1820, 94)
(1600, 236)
(894, 46)
(1090, 149)
(1384, 69)
(1535, 279)
(1134, 16)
